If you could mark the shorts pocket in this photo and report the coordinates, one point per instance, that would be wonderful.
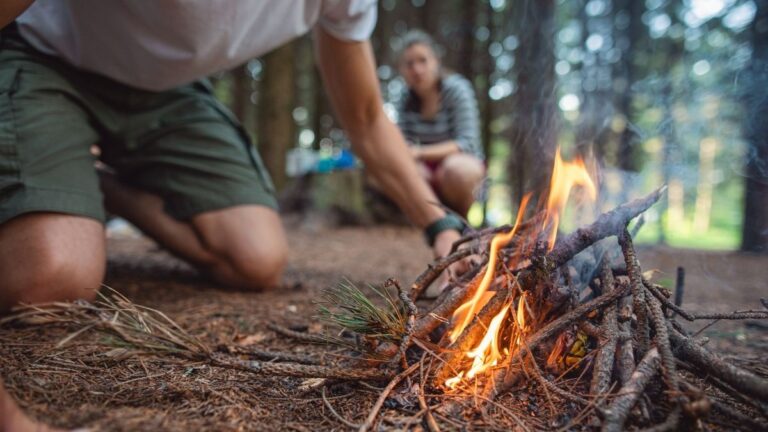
(10, 172)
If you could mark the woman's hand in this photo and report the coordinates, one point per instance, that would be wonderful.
(416, 151)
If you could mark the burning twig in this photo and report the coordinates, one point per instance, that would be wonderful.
(608, 224)
(434, 270)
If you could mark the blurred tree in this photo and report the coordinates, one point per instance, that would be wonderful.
(628, 20)
(242, 89)
(276, 127)
(534, 132)
(755, 228)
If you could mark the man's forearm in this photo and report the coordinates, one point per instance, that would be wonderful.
(395, 171)
(10, 9)
(349, 73)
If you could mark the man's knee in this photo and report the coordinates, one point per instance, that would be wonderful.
(60, 274)
(247, 244)
(260, 265)
(63, 259)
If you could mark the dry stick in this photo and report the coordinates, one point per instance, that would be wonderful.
(300, 336)
(625, 363)
(410, 321)
(508, 411)
(565, 394)
(603, 368)
(742, 380)
(384, 394)
(556, 326)
(591, 329)
(431, 423)
(298, 370)
(524, 226)
(434, 270)
(629, 394)
(670, 424)
(668, 363)
(606, 225)
(743, 419)
(693, 316)
(479, 234)
(638, 302)
(273, 355)
(679, 289)
(737, 395)
(444, 307)
(754, 424)
(337, 415)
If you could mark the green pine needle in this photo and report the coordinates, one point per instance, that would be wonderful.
(348, 307)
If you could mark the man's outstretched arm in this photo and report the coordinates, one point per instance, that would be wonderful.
(349, 74)
(10, 9)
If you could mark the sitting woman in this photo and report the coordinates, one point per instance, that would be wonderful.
(438, 116)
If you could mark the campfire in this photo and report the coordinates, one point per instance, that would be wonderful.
(509, 324)
(541, 306)
(572, 315)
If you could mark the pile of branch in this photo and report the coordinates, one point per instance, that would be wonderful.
(634, 371)
(642, 368)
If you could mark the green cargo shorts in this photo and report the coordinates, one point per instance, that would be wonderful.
(180, 144)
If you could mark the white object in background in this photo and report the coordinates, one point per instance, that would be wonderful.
(121, 228)
(300, 161)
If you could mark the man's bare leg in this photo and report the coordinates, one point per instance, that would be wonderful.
(242, 247)
(50, 257)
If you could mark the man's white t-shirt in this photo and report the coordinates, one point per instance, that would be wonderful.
(161, 44)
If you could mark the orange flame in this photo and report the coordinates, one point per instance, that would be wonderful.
(565, 175)
(468, 310)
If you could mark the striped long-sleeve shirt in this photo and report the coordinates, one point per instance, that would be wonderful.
(457, 118)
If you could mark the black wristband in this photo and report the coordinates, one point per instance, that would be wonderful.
(447, 222)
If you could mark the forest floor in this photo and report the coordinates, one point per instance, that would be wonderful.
(79, 384)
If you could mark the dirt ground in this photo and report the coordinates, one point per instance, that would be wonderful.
(79, 385)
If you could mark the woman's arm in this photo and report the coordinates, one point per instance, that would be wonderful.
(10, 9)
(435, 152)
(349, 73)
(461, 104)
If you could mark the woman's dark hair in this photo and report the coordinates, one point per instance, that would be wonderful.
(415, 37)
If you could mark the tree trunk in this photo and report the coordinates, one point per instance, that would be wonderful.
(468, 19)
(277, 131)
(242, 106)
(755, 230)
(627, 151)
(534, 133)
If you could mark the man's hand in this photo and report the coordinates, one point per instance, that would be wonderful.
(442, 247)
(444, 241)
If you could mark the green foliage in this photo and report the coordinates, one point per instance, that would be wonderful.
(346, 306)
